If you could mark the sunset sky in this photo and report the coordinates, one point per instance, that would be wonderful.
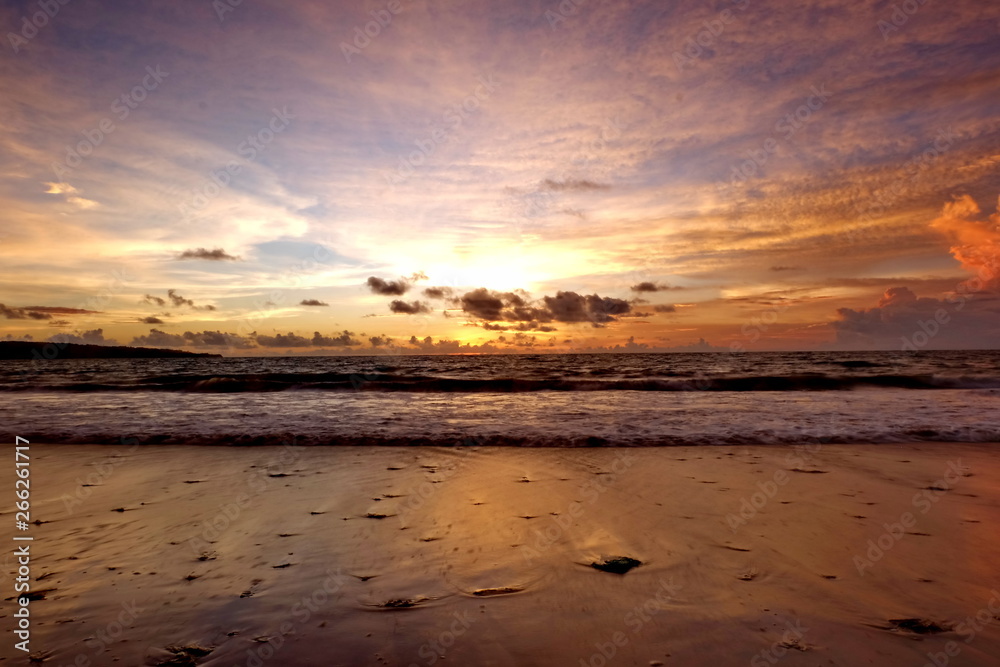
(264, 177)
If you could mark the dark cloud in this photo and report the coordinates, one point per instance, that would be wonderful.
(522, 326)
(177, 300)
(92, 337)
(283, 340)
(388, 287)
(445, 346)
(786, 268)
(150, 320)
(573, 307)
(312, 302)
(215, 255)
(904, 321)
(665, 308)
(60, 310)
(157, 338)
(344, 339)
(571, 185)
(632, 346)
(482, 303)
(23, 313)
(154, 300)
(380, 341)
(968, 316)
(493, 306)
(405, 308)
(648, 286)
(438, 292)
(518, 340)
(59, 323)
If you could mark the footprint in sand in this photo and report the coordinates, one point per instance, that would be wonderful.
(616, 564)
(498, 590)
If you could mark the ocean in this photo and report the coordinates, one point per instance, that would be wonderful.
(562, 400)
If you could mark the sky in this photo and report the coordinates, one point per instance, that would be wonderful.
(262, 177)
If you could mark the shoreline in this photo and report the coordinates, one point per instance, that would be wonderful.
(481, 555)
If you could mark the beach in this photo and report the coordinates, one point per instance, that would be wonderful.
(819, 554)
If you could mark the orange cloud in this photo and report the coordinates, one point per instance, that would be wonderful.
(976, 242)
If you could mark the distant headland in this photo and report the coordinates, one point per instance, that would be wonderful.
(41, 350)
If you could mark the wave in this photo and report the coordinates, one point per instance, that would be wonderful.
(387, 382)
(888, 435)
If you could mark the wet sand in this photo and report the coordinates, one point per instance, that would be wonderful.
(826, 555)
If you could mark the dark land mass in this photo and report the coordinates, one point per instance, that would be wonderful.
(39, 350)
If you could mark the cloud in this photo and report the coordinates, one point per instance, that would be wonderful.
(344, 339)
(60, 310)
(23, 313)
(157, 338)
(522, 326)
(968, 317)
(150, 320)
(962, 320)
(388, 287)
(494, 306)
(153, 300)
(632, 346)
(215, 255)
(976, 242)
(72, 195)
(312, 302)
(482, 303)
(573, 307)
(785, 268)
(446, 346)
(283, 340)
(177, 300)
(92, 337)
(665, 308)
(572, 185)
(647, 286)
(414, 308)
(438, 292)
